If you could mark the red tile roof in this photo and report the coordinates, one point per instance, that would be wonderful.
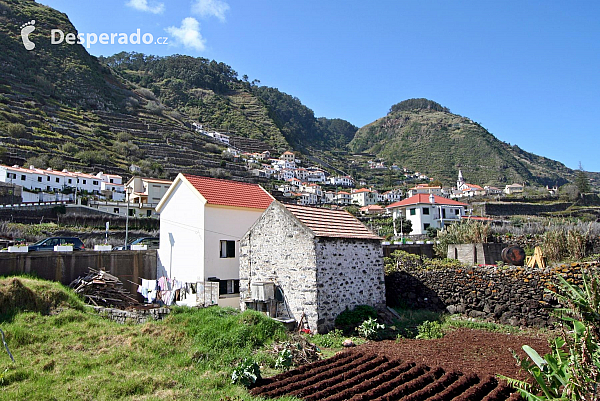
(230, 193)
(424, 198)
(331, 223)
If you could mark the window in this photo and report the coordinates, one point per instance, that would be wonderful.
(426, 226)
(413, 211)
(57, 179)
(95, 182)
(23, 177)
(425, 210)
(148, 213)
(116, 210)
(227, 249)
(111, 180)
(229, 287)
(70, 181)
(456, 212)
(39, 179)
(85, 181)
(131, 212)
(48, 178)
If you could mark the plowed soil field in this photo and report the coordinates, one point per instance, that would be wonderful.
(460, 366)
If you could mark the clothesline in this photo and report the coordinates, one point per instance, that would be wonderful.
(165, 290)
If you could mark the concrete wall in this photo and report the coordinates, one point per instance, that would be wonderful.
(279, 249)
(349, 273)
(181, 253)
(67, 266)
(476, 254)
(225, 223)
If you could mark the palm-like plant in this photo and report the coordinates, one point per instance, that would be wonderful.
(571, 371)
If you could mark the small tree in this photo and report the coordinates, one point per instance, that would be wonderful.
(582, 181)
(403, 225)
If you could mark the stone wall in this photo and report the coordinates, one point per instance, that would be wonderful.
(513, 295)
(279, 249)
(319, 277)
(349, 273)
(134, 316)
(532, 209)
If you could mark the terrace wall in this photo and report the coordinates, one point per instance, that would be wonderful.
(513, 295)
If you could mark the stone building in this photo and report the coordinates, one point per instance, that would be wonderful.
(310, 264)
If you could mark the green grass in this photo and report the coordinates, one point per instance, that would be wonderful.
(76, 354)
(411, 319)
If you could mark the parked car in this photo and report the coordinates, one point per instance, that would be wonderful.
(48, 244)
(151, 242)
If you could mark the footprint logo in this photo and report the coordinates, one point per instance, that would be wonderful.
(26, 29)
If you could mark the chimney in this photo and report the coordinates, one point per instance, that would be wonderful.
(431, 199)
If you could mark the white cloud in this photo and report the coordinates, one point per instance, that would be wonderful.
(142, 5)
(210, 8)
(188, 34)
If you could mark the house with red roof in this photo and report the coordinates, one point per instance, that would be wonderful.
(425, 211)
(310, 264)
(202, 220)
(364, 197)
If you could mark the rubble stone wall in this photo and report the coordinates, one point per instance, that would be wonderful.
(279, 249)
(512, 295)
(135, 316)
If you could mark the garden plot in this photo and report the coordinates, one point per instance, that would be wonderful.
(467, 362)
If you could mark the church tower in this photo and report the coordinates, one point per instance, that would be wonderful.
(461, 181)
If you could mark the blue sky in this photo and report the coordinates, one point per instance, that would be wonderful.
(528, 71)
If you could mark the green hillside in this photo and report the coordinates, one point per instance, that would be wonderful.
(424, 136)
(63, 108)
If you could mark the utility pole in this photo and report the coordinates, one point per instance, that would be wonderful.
(127, 191)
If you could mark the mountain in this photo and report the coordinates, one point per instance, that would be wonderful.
(424, 136)
(60, 107)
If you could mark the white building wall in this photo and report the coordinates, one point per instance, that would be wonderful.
(181, 252)
(225, 223)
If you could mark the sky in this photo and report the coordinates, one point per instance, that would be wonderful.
(528, 71)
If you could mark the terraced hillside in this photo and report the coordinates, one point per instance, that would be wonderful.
(50, 134)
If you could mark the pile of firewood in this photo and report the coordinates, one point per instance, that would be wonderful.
(100, 288)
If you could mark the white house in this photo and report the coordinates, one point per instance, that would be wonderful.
(425, 211)
(364, 197)
(146, 190)
(53, 180)
(424, 189)
(344, 181)
(513, 189)
(201, 222)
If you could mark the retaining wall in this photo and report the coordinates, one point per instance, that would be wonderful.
(513, 295)
(133, 316)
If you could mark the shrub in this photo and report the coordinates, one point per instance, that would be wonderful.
(246, 373)
(572, 368)
(370, 329)
(16, 130)
(333, 339)
(429, 330)
(355, 316)
(466, 232)
(69, 148)
(401, 260)
(123, 136)
(284, 360)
